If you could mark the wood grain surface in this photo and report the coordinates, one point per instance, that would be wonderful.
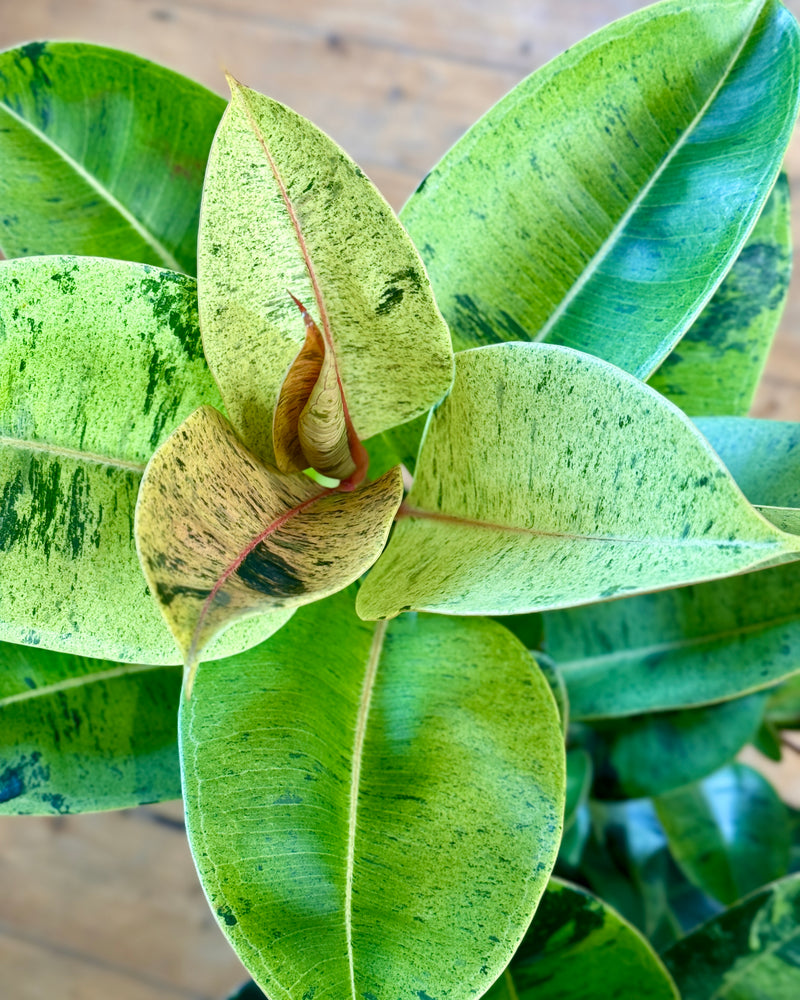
(108, 906)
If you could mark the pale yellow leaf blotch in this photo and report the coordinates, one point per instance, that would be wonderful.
(311, 426)
(221, 536)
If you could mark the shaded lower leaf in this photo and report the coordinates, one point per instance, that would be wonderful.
(783, 705)
(248, 992)
(715, 367)
(222, 537)
(579, 781)
(653, 754)
(548, 478)
(579, 948)
(350, 786)
(729, 833)
(628, 863)
(679, 648)
(763, 456)
(81, 735)
(750, 951)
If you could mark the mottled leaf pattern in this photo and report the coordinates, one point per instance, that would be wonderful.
(548, 478)
(678, 648)
(351, 787)
(287, 213)
(578, 948)
(103, 154)
(716, 366)
(751, 950)
(80, 734)
(99, 361)
(729, 833)
(221, 536)
(585, 209)
(652, 754)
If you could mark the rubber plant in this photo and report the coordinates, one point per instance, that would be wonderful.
(380, 531)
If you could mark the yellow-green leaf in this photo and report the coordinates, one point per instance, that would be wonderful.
(99, 361)
(549, 478)
(364, 819)
(287, 213)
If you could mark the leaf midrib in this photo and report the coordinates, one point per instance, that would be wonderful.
(68, 683)
(639, 652)
(355, 778)
(611, 240)
(60, 451)
(302, 244)
(407, 511)
(168, 260)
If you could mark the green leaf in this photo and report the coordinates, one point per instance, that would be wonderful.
(548, 478)
(627, 862)
(652, 754)
(99, 361)
(553, 677)
(103, 154)
(601, 202)
(287, 213)
(729, 833)
(783, 706)
(749, 951)
(716, 367)
(579, 781)
(763, 456)
(222, 537)
(350, 786)
(579, 948)
(248, 992)
(79, 734)
(679, 648)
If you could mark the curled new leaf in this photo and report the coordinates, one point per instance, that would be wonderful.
(221, 536)
(311, 427)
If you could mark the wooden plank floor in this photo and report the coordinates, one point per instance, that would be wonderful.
(104, 906)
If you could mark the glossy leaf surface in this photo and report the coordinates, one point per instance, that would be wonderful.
(751, 950)
(223, 537)
(548, 478)
(80, 735)
(729, 833)
(103, 154)
(578, 948)
(678, 648)
(350, 786)
(99, 361)
(716, 366)
(599, 204)
(652, 754)
(763, 456)
(287, 213)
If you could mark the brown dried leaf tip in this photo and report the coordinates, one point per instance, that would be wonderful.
(311, 428)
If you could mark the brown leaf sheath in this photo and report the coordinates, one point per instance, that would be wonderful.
(311, 426)
(221, 536)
